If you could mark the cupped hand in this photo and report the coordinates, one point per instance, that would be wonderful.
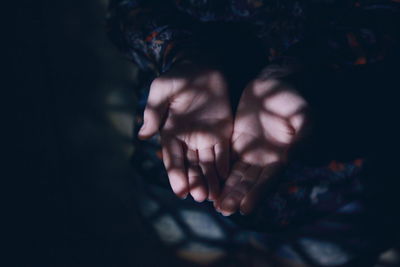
(190, 107)
(269, 120)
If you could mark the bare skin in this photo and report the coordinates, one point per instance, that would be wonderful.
(190, 107)
(269, 120)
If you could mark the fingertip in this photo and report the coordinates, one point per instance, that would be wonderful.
(178, 185)
(198, 188)
(216, 206)
(213, 194)
(174, 165)
(145, 133)
(143, 136)
(208, 168)
(183, 197)
(228, 206)
(226, 214)
(199, 195)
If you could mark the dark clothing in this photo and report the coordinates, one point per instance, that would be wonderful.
(319, 204)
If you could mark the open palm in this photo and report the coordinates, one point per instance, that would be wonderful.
(190, 107)
(268, 121)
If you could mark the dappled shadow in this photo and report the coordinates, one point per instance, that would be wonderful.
(76, 201)
(72, 138)
(347, 234)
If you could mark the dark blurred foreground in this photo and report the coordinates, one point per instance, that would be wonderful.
(69, 158)
(74, 197)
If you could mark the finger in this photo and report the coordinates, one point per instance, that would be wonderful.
(234, 178)
(222, 156)
(174, 164)
(207, 165)
(197, 186)
(253, 196)
(233, 199)
(155, 111)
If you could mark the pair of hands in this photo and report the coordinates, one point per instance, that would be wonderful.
(202, 145)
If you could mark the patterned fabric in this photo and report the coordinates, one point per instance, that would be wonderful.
(155, 34)
(151, 34)
(304, 194)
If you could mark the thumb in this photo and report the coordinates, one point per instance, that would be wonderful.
(155, 111)
(152, 119)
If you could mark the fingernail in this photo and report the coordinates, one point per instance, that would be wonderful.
(184, 197)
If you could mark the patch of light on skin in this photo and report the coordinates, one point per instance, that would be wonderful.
(168, 230)
(260, 88)
(284, 103)
(202, 224)
(260, 157)
(276, 129)
(242, 141)
(201, 253)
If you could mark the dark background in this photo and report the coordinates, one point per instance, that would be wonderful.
(68, 102)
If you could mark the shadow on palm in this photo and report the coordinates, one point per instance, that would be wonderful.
(270, 119)
(191, 109)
